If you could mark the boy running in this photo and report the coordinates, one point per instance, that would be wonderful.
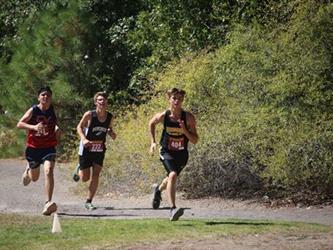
(92, 129)
(179, 127)
(40, 121)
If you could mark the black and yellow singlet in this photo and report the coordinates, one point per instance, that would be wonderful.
(173, 138)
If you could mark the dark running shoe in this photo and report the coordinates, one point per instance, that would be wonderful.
(75, 174)
(175, 213)
(156, 201)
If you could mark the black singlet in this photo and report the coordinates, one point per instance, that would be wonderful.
(173, 138)
(97, 132)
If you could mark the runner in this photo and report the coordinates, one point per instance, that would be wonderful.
(179, 127)
(40, 121)
(92, 129)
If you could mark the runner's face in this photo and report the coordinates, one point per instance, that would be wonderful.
(176, 100)
(101, 102)
(45, 97)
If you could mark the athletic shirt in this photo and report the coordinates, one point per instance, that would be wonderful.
(96, 133)
(173, 138)
(47, 137)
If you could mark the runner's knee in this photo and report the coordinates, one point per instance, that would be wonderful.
(172, 176)
(48, 172)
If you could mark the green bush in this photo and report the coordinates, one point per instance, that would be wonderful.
(263, 108)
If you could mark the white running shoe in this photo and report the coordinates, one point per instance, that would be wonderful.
(89, 206)
(175, 213)
(49, 208)
(26, 177)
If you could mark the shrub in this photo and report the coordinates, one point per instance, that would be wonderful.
(263, 108)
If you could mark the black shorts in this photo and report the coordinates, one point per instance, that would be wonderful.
(87, 159)
(37, 156)
(174, 161)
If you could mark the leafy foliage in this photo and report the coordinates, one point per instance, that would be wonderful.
(12, 15)
(263, 105)
(258, 76)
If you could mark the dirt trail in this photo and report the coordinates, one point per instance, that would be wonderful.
(14, 197)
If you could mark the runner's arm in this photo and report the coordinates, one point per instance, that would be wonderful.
(190, 131)
(110, 130)
(23, 122)
(83, 124)
(158, 118)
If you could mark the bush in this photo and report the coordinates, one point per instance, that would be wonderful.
(263, 108)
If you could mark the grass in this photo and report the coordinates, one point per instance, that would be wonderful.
(34, 232)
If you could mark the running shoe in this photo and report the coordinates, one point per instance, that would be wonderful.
(175, 213)
(75, 173)
(89, 206)
(49, 208)
(25, 177)
(156, 201)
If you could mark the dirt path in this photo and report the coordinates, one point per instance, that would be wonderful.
(15, 198)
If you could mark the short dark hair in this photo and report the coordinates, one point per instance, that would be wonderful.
(100, 93)
(175, 91)
(45, 88)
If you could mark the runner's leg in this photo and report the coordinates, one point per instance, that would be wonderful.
(171, 188)
(84, 174)
(49, 178)
(96, 170)
(34, 173)
(34, 160)
(163, 184)
(49, 207)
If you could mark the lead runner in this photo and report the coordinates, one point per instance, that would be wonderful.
(179, 127)
(40, 121)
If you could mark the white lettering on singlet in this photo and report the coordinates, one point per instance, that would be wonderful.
(99, 129)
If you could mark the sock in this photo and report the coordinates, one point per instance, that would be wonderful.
(89, 201)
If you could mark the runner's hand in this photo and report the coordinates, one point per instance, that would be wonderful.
(112, 134)
(39, 127)
(152, 148)
(86, 143)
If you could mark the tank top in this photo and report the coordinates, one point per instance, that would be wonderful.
(173, 138)
(96, 133)
(47, 137)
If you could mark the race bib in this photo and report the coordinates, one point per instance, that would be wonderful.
(176, 144)
(96, 146)
(43, 132)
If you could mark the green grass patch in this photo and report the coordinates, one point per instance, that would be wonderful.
(34, 232)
